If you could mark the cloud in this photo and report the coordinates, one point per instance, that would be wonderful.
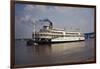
(60, 16)
(29, 8)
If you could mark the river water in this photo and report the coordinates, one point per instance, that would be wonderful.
(72, 52)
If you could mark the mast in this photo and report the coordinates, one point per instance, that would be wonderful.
(34, 30)
(34, 43)
(33, 22)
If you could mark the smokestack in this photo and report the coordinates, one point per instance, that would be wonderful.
(50, 23)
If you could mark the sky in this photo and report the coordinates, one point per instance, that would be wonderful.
(63, 17)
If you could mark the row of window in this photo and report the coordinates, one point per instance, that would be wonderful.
(58, 35)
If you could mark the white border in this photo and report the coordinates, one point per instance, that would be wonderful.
(5, 34)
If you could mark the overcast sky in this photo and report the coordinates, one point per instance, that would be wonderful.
(69, 18)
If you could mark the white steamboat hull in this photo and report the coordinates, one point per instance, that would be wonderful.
(67, 39)
(57, 40)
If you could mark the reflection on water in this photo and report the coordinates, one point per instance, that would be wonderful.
(54, 53)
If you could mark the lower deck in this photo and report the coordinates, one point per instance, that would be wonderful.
(55, 40)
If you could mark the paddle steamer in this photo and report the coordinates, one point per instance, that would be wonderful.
(48, 34)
